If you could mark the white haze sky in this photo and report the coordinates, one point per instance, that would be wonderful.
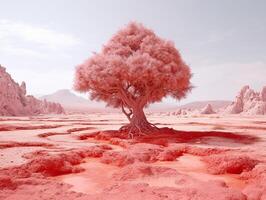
(224, 42)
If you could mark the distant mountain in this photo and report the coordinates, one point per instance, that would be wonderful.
(66, 97)
(216, 104)
(74, 103)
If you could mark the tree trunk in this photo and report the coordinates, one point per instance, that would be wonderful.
(138, 124)
(138, 118)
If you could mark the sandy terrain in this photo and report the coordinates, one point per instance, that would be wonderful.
(72, 157)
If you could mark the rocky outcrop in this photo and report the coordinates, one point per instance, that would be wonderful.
(248, 102)
(208, 110)
(263, 94)
(15, 102)
(178, 112)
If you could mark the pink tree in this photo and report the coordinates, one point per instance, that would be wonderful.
(135, 68)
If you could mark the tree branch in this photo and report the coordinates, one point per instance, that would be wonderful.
(128, 100)
(120, 91)
(127, 114)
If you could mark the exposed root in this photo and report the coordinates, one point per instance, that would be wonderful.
(142, 129)
(153, 125)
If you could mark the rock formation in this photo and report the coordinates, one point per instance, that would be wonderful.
(248, 102)
(15, 102)
(178, 112)
(207, 110)
(263, 94)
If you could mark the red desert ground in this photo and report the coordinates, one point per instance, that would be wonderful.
(205, 151)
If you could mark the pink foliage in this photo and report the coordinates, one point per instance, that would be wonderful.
(135, 68)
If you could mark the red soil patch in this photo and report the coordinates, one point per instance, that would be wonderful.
(197, 191)
(149, 153)
(54, 164)
(121, 142)
(11, 144)
(3, 128)
(41, 189)
(166, 135)
(13, 128)
(7, 183)
(229, 163)
(117, 158)
(79, 129)
(173, 136)
(134, 160)
(174, 151)
(93, 135)
(256, 189)
(45, 135)
(256, 172)
(256, 178)
(134, 153)
(139, 170)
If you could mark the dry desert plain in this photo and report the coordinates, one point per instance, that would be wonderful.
(74, 157)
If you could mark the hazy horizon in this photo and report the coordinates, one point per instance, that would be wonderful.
(223, 42)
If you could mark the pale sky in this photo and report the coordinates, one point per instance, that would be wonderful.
(224, 42)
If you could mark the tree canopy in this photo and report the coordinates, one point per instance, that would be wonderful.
(135, 68)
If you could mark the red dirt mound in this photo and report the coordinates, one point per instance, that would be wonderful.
(7, 183)
(139, 170)
(54, 164)
(229, 163)
(10, 144)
